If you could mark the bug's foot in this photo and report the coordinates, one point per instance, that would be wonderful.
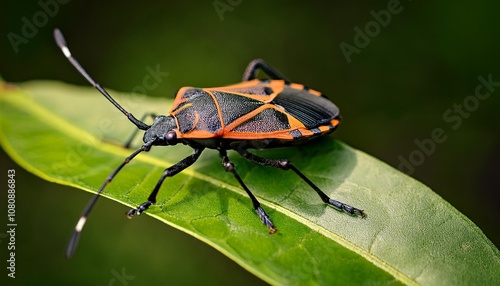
(139, 209)
(266, 220)
(347, 208)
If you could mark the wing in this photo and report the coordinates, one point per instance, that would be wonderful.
(310, 109)
(273, 109)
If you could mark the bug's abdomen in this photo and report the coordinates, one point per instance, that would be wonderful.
(290, 113)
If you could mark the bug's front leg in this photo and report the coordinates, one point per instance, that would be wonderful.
(229, 167)
(169, 172)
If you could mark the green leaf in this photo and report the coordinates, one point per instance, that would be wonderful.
(71, 135)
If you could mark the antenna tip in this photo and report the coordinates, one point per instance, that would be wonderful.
(58, 36)
(61, 42)
(73, 242)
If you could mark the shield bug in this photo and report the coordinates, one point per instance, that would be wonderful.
(253, 114)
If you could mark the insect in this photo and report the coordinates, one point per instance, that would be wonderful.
(253, 114)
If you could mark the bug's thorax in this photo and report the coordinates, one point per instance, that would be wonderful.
(162, 131)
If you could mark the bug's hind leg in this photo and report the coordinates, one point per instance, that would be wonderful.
(284, 164)
(254, 66)
(134, 134)
(169, 172)
(229, 167)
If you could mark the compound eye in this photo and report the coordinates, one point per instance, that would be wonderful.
(171, 138)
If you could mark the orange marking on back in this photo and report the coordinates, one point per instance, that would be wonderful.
(297, 86)
(178, 98)
(335, 122)
(314, 92)
(182, 108)
(324, 128)
(276, 85)
(306, 132)
(219, 111)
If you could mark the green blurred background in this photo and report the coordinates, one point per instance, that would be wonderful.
(391, 93)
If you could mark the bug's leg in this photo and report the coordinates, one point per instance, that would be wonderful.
(285, 164)
(229, 167)
(134, 134)
(254, 66)
(169, 172)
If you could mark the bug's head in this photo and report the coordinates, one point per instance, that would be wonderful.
(162, 132)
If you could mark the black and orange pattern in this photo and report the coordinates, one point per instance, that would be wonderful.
(274, 110)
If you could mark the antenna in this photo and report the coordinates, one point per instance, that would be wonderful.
(61, 42)
(83, 219)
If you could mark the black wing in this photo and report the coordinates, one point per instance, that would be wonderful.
(310, 109)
